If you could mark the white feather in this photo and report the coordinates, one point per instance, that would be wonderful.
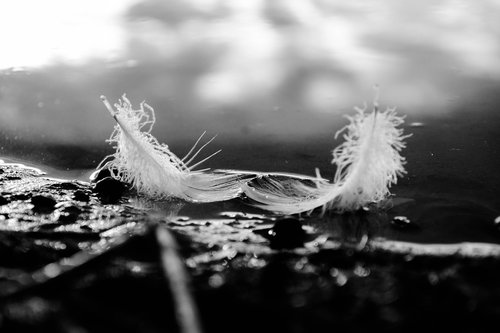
(368, 163)
(151, 168)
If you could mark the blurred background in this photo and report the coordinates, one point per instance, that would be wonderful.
(272, 78)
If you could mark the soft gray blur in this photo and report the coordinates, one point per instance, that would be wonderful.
(252, 71)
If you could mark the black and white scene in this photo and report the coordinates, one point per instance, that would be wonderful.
(243, 166)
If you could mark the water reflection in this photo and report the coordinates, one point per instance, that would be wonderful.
(352, 229)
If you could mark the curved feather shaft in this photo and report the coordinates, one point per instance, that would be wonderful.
(368, 162)
(152, 168)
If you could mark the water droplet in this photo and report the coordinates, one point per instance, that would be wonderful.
(409, 257)
(497, 221)
(433, 278)
(299, 265)
(341, 279)
(136, 269)
(417, 124)
(52, 270)
(361, 271)
(216, 281)
(401, 222)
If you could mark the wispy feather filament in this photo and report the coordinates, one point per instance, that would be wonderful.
(368, 162)
(151, 168)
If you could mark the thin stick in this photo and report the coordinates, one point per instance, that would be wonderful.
(175, 272)
(108, 106)
(376, 90)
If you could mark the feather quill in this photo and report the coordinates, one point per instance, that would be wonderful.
(151, 168)
(368, 162)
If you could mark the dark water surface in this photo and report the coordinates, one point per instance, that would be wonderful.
(273, 81)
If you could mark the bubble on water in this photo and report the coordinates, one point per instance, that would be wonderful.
(361, 271)
(401, 222)
(341, 279)
(216, 281)
(497, 221)
(433, 278)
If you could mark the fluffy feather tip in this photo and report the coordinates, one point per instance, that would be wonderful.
(367, 163)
